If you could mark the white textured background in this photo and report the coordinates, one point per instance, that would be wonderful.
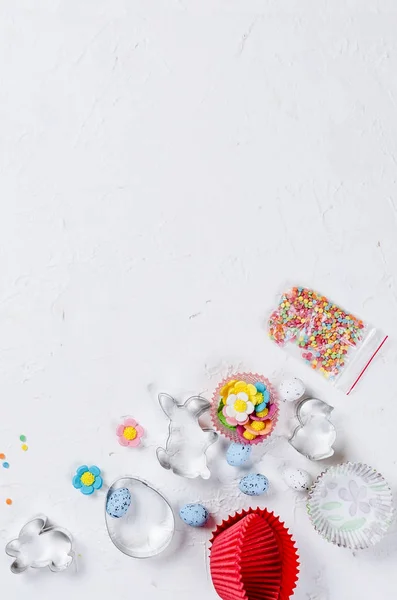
(165, 167)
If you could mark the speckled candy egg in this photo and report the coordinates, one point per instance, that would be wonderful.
(297, 479)
(118, 503)
(291, 389)
(238, 454)
(254, 485)
(195, 515)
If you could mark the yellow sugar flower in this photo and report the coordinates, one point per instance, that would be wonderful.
(227, 389)
(238, 387)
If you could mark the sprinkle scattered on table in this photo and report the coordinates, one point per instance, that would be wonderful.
(2, 456)
(22, 438)
(9, 501)
(24, 447)
(6, 465)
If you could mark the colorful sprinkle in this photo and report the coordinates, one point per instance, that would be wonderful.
(2, 456)
(322, 330)
(9, 501)
(24, 447)
(6, 465)
(22, 438)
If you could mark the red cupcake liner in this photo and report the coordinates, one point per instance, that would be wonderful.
(234, 435)
(238, 572)
(228, 569)
(289, 556)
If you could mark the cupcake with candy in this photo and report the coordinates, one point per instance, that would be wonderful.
(245, 408)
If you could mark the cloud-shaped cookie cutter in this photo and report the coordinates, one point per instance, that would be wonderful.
(315, 434)
(188, 442)
(41, 545)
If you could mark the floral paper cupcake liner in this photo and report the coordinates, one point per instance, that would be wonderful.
(245, 408)
(351, 505)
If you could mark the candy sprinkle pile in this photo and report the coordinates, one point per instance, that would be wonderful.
(322, 330)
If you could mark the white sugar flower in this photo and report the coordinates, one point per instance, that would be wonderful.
(239, 406)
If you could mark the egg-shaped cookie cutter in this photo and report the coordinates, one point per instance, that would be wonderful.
(141, 533)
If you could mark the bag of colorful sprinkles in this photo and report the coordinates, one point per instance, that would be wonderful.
(331, 340)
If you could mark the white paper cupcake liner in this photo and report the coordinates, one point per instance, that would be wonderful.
(351, 505)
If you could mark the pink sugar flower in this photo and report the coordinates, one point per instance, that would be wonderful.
(130, 433)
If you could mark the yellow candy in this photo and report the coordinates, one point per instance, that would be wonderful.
(226, 388)
(249, 436)
(257, 425)
(130, 433)
(240, 406)
(251, 389)
(240, 386)
(87, 478)
(262, 413)
(257, 399)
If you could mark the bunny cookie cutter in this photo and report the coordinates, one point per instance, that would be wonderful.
(39, 545)
(188, 442)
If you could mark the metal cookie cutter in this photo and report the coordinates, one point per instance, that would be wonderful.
(315, 434)
(41, 545)
(147, 527)
(187, 443)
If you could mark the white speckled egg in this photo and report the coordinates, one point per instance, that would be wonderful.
(118, 503)
(238, 454)
(254, 484)
(297, 479)
(291, 389)
(195, 515)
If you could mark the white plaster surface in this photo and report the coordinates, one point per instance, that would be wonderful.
(165, 166)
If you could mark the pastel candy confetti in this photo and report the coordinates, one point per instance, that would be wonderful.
(323, 331)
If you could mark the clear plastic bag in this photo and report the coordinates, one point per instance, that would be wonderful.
(332, 341)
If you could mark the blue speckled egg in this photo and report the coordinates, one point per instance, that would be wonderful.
(195, 515)
(238, 454)
(118, 503)
(254, 485)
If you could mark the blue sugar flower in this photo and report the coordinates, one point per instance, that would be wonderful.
(87, 480)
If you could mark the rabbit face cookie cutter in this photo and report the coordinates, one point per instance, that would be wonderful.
(187, 443)
(315, 434)
(39, 545)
